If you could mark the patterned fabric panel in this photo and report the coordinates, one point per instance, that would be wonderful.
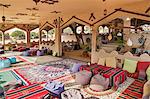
(134, 91)
(34, 91)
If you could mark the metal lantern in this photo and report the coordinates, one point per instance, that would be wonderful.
(3, 18)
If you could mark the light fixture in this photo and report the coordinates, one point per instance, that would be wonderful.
(119, 34)
(128, 19)
(3, 19)
(4, 6)
(36, 1)
(129, 42)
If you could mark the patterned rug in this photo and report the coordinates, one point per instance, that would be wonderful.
(46, 72)
(68, 63)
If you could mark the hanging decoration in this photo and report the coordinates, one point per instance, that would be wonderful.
(110, 37)
(101, 30)
(92, 17)
(46, 1)
(3, 17)
(79, 30)
(129, 42)
(105, 12)
(119, 34)
(106, 30)
(36, 1)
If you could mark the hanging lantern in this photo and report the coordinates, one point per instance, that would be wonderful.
(3, 18)
(119, 34)
(36, 1)
(129, 42)
(109, 37)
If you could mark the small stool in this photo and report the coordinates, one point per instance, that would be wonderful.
(55, 87)
(12, 60)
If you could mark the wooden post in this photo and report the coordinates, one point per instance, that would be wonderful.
(3, 38)
(94, 41)
(28, 38)
(57, 41)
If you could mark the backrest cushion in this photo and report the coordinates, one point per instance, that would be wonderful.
(130, 65)
(101, 61)
(142, 66)
(111, 62)
(148, 73)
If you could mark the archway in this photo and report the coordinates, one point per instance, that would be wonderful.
(74, 38)
(34, 37)
(15, 36)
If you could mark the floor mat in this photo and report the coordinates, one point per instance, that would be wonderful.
(134, 91)
(8, 76)
(46, 72)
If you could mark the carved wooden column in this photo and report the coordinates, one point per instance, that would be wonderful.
(58, 40)
(58, 43)
(94, 41)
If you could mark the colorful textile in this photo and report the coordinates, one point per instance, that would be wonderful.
(134, 91)
(55, 87)
(34, 91)
(142, 66)
(94, 68)
(116, 76)
(130, 65)
(41, 73)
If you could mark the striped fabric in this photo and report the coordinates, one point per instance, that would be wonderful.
(34, 91)
(134, 91)
(115, 75)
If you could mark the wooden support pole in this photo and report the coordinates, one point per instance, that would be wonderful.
(94, 41)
